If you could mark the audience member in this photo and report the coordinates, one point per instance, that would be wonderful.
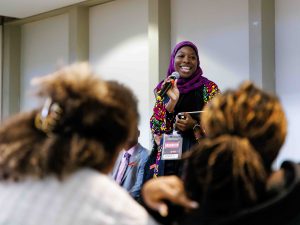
(54, 161)
(156, 192)
(229, 173)
(188, 94)
(129, 167)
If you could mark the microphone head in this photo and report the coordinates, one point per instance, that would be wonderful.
(175, 75)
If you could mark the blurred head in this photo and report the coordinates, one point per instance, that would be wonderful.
(228, 170)
(249, 113)
(224, 174)
(85, 122)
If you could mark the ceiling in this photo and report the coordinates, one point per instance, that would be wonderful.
(26, 8)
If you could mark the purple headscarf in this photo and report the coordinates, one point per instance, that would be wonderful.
(195, 81)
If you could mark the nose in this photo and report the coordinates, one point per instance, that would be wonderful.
(186, 59)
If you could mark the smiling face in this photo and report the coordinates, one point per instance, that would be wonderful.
(185, 61)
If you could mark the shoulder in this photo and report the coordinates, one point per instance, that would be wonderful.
(292, 171)
(143, 152)
(93, 181)
(211, 86)
(288, 196)
(103, 193)
(210, 89)
(142, 148)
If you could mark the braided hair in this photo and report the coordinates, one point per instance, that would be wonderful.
(249, 113)
(228, 170)
(224, 174)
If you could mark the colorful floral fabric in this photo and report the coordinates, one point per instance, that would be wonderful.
(162, 121)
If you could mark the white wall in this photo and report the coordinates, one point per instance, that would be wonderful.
(219, 28)
(287, 36)
(119, 50)
(44, 49)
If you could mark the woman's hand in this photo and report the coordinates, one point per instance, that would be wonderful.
(173, 94)
(185, 124)
(169, 188)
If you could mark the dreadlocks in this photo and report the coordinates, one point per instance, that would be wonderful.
(249, 113)
(228, 170)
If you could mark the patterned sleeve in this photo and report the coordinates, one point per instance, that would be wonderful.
(210, 90)
(161, 121)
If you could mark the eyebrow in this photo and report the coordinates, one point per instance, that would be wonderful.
(180, 51)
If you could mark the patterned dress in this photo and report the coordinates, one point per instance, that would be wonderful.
(162, 121)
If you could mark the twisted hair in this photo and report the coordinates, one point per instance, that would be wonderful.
(225, 171)
(250, 113)
(96, 119)
(228, 170)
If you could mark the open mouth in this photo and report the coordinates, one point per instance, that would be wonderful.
(185, 69)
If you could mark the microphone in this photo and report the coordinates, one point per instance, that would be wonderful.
(168, 85)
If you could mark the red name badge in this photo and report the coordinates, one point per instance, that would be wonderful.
(172, 147)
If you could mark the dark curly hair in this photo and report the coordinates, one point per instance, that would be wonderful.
(224, 174)
(249, 113)
(94, 120)
(228, 170)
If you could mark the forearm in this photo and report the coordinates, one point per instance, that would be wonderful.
(170, 106)
(162, 120)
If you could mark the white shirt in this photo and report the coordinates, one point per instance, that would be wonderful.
(85, 198)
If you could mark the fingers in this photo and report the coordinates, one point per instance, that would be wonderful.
(181, 124)
(163, 209)
(152, 192)
(184, 201)
(166, 188)
(188, 116)
(189, 121)
(175, 84)
(185, 124)
(176, 193)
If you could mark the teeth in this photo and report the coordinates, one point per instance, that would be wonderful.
(185, 68)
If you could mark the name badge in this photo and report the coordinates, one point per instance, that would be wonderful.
(172, 147)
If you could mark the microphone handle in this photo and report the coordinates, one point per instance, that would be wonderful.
(165, 88)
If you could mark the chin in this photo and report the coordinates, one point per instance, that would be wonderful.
(185, 75)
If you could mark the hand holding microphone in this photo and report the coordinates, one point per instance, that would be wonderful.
(170, 88)
(167, 85)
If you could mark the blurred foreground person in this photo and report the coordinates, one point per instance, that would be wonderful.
(229, 173)
(54, 161)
